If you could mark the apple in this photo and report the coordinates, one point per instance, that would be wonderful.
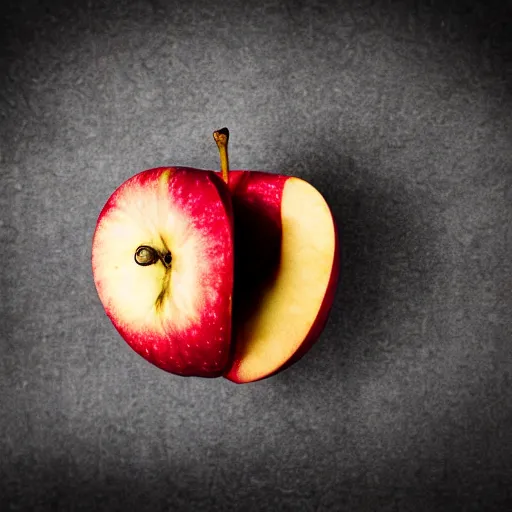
(163, 263)
(286, 271)
(209, 274)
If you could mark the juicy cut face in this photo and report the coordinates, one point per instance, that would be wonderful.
(163, 267)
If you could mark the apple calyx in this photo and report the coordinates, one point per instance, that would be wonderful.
(146, 255)
(221, 138)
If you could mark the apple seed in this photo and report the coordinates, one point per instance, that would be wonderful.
(167, 259)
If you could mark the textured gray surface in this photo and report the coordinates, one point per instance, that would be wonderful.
(400, 113)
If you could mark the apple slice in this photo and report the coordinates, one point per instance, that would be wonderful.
(286, 271)
(162, 260)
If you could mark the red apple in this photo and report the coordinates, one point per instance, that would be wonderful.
(286, 271)
(163, 263)
(162, 259)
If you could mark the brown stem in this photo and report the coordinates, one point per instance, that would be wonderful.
(221, 138)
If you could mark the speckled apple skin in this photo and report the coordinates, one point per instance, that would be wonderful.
(202, 349)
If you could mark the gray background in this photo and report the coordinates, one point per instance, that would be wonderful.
(400, 113)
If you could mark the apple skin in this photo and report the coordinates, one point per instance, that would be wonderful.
(257, 200)
(202, 347)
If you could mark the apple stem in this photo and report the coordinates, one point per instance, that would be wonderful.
(221, 138)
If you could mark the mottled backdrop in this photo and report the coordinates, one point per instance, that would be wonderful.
(401, 114)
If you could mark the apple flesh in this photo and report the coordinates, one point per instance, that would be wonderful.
(286, 271)
(162, 259)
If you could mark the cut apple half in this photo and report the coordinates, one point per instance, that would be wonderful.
(288, 310)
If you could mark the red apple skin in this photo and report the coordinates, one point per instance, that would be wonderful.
(256, 198)
(204, 349)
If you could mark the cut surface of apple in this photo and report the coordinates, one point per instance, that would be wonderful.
(279, 312)
(162, 259)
